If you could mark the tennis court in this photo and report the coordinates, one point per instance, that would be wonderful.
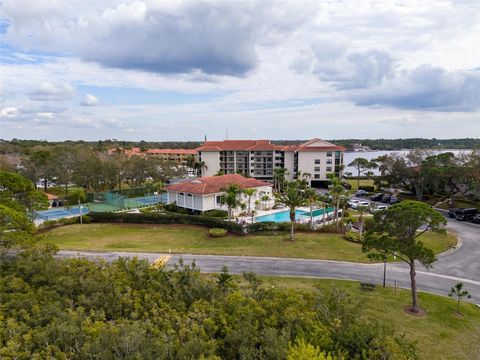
(60, 213)
(109, 205)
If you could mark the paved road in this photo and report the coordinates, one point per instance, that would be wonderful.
(463, 264)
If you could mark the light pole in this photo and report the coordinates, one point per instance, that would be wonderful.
(384, 269)
(80, 206)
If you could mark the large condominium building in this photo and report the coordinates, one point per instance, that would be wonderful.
(258, 159)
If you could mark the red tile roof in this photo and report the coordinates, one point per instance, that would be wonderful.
(51, 196)
(137, 151)
(215, 184)
(264, 145)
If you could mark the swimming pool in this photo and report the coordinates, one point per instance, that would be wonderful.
(284, 216)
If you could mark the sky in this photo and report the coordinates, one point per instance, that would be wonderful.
(182, 70)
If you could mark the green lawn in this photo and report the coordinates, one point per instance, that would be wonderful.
(363, 182)
(194, 240)
(439, 335)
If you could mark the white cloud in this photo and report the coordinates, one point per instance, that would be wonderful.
(90, 100)
(52, 92)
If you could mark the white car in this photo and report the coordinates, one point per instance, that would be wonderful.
(380, 208)
(353, 202)
(361, 204)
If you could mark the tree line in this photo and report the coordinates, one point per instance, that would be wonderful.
(422, 172)
(96, 170)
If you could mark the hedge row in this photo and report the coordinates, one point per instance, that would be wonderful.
(170, 218)
(173, 218)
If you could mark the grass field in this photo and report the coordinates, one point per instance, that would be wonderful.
(439, 335)
(194, 240)
(363, 182)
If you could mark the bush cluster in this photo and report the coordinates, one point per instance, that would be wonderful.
(169, 218)
(217, 233)
(127, 309)
(353, 236)
(216, 213)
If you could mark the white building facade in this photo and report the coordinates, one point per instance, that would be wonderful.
(258, 159)
(205, 193)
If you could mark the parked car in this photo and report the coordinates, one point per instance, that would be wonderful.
(377, 197)
(380, 208)
(353, 202)
(451, 212)
(476, 219)
(465, 214)
(361, 204)
(361, 193)
(386, 199)
(394, 200)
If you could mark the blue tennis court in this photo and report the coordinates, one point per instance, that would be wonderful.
(60, 213)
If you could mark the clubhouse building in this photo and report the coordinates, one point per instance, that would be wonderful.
(203, 194)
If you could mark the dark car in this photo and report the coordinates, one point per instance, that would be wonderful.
(476, 219)
(465, 214)
(377, 197)
(451, 212)
(394, 200)
(386, 199)
(361, 193)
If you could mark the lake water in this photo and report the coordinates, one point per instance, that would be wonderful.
(348, 157)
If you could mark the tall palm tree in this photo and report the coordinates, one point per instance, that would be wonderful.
(337, 190)
(312, 199)
(292, 197)
(231, 198)
(279, 175)
(249, 193)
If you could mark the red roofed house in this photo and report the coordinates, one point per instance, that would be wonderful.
(205, 193)
(258, 158)
(178, 156)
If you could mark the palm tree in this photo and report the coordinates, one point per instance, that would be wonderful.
(265, 199)
(337, 190)
(279, 175)
(231, 198)
(190, 161)
(292, 197)
(199, 166)
(362, 210)
(249, 193)
(312, 199)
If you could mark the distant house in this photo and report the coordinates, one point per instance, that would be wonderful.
(179, 156)
(205, 193)
(52, 200)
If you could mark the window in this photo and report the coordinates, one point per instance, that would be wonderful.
(329, 153)
(316, 176)
(218, 199)
(317, 168)
(329, 168)
(181, 194)
(329, 161)
(317, 161)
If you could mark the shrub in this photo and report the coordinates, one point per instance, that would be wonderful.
(353, 236)
(216, 213)
(175, 209)
(217, 233)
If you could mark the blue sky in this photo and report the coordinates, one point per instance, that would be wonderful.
(179, 70)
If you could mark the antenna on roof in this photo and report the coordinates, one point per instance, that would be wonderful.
(205, 137)
(226, 133)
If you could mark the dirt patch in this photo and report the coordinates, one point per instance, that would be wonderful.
(420, 313)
